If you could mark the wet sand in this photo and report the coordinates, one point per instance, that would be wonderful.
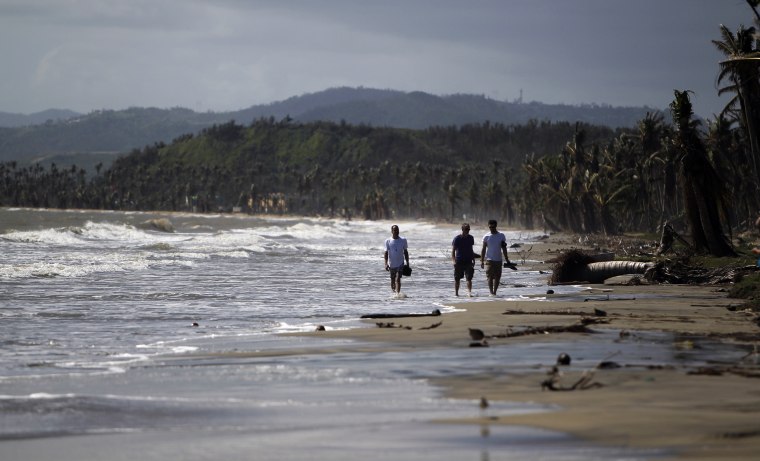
(709, 412)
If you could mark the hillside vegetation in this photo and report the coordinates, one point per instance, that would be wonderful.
(103, 135)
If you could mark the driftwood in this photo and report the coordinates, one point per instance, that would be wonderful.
(404, 327)
(575, 328)
(391, 325)
(435, 313)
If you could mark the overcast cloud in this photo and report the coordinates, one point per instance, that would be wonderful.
(223, 55)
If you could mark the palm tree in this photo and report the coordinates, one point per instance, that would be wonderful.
(704, 194)
(741, 69)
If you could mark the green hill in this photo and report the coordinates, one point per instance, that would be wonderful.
(100, 136)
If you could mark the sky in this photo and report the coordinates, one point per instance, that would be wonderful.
(222, 55)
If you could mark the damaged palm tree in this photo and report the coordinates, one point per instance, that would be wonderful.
(577, 266)
(705, 198)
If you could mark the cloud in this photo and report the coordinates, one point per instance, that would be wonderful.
(230, 54)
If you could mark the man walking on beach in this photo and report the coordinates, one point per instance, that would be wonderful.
(395, 254)
(494, 245)
(463, 258)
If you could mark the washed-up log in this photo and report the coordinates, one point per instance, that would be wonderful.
(576, 328)
(435, 313)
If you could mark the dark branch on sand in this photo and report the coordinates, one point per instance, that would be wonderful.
(435, 313)
(575, 328)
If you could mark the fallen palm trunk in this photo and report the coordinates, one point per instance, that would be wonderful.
(599, 272)
(576, 266)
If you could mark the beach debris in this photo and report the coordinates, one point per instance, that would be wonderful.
(434, 313)
(578, 266)
(478, 337)
(575, 328)
(430, 327)
(600, 313)
(549, 312)
(563, 359)
(668, 238)
(320, 328)
(391, 325)
(593, 320)
(476, 334)
(718, 370)
(677, 272)
(583, 383)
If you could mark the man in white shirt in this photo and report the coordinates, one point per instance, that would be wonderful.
(494, 245)
(395, 255)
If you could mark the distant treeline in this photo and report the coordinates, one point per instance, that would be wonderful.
(315, 168)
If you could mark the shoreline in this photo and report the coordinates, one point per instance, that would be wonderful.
(707, 412)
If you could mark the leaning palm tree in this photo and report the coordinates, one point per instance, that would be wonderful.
(705, 200)
(740, 69)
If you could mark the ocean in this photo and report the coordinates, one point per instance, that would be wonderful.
(121, 340)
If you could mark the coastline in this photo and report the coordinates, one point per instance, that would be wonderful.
(708, 412)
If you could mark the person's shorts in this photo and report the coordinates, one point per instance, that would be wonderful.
(493, 269)
(463, 270)
(396, 272)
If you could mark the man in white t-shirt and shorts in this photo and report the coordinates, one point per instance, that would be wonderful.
(395, 255)
(494, 245)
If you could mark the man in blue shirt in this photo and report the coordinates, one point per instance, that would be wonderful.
(463, 258)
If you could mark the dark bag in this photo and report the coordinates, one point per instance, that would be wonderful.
(406, 271)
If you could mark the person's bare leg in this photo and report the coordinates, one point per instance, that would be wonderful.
(456, 287)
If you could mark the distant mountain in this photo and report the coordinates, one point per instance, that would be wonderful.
(48, 116)
(99, 135)
(418, 110)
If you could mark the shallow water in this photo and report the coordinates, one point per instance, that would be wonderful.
(96, 314)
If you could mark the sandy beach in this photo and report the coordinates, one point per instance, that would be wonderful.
(710, 412)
